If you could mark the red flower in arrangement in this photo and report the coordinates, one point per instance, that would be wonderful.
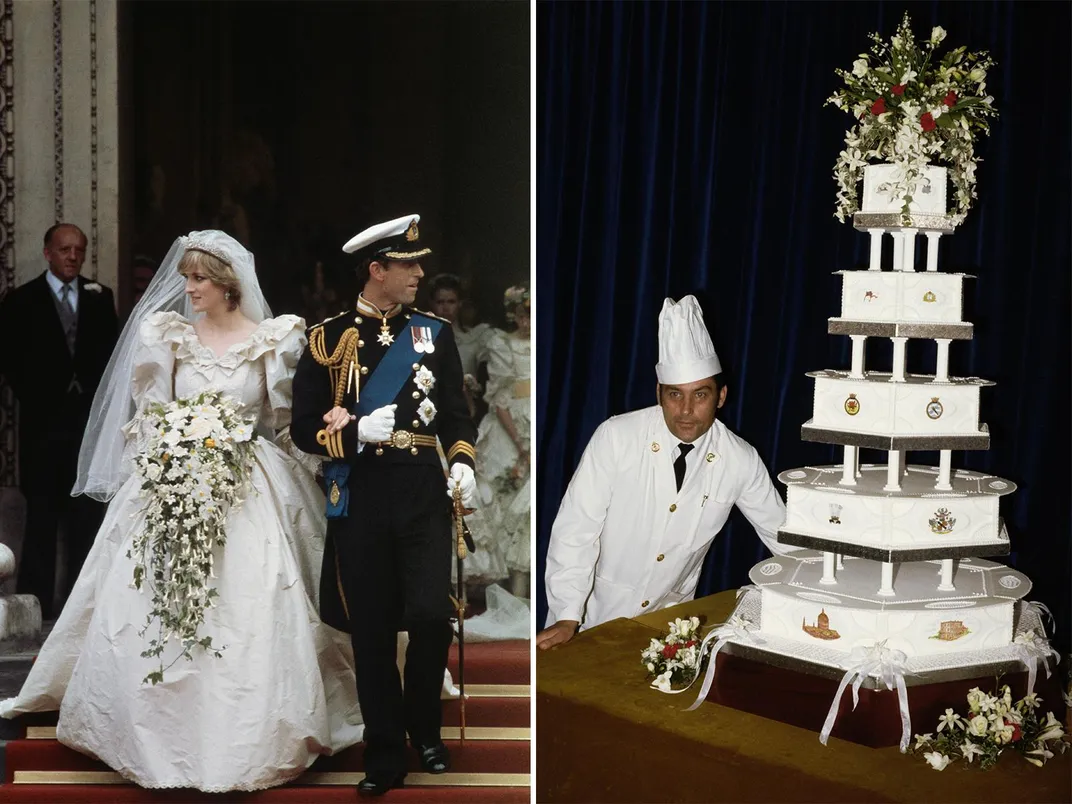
(927, 122)
(670, 651)
(897, 90)
(690, 643)
(950, 99)
(879, 106)
(1016, 733)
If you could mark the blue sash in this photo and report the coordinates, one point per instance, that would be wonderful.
(380, 389)
(383, 385)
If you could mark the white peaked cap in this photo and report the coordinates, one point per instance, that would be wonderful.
(686, 353)
(396, 239)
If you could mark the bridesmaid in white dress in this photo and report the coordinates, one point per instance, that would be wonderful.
(282, 692)
(501, 526)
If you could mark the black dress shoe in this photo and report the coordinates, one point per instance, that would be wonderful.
(377, 785)
(434, 758)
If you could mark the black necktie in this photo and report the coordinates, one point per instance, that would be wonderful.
(679, 464)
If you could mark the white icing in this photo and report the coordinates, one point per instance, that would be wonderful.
(895, 408)
(899, 296)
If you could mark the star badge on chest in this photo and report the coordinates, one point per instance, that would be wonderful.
(385, 338)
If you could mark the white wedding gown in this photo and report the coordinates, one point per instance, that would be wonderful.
(283, 691)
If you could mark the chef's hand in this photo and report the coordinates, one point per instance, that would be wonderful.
(378, 425)
(461, 474)
(337, 418)
(558, 634)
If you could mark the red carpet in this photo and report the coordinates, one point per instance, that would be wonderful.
(497, 663)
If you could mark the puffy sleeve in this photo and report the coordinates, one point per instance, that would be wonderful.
(287, 336)
(154, 359)
(153, 374)
(501, 377)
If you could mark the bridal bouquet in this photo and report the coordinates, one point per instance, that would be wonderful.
(676, 658)
(912, 108)
(993, 723)
(193, 469)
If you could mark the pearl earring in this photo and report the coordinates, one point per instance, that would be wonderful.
(227, 295)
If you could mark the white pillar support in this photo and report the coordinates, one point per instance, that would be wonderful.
(858, 343)
(941, 372)
(848, 467)
(904, 462)
(909, 250)
(898, 359)
(932, 250)
(828, 578)
(947, 576)
(945, 462)
(898, 250)
(876, 249)
(886, 590)
(893, 471)
(840, 561)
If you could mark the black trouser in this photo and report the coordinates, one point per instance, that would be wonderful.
(47, 471)
(394, 561)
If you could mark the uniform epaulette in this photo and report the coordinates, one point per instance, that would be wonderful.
(430, 315)
(332, 318)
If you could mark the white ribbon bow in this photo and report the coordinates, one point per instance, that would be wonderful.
(1029, 648)
(735, 627)
(888, 665)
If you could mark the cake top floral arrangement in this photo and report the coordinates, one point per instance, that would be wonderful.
(913, 108)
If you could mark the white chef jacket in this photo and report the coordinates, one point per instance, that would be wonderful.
(625, 541)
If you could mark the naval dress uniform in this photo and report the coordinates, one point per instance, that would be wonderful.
(387, 565)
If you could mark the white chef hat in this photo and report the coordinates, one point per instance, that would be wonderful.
(686, 353)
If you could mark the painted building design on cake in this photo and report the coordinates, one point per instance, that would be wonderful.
(821, 628)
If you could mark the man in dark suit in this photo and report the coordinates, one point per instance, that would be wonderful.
(57, 333)
(374, 391)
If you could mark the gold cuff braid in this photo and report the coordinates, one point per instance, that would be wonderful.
(461, 448)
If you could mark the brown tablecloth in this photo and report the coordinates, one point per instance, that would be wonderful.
(602, 735)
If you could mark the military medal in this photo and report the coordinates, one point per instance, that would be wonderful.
(422, 340)
(385, 338)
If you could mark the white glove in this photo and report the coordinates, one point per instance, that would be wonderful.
(378, 425)
(461, 474)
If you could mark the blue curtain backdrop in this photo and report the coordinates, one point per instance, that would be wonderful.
(685, 148)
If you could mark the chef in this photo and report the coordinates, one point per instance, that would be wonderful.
(653, 489)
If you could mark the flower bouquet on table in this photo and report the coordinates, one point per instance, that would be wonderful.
(193, 468)
(993, 723)
(674, 661)
(913, 108)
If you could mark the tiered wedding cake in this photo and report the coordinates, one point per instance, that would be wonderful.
(891, 578)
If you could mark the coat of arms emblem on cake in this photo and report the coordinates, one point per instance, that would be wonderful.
(821, 629)
(951, 629)
(942, 522)
(852, 405)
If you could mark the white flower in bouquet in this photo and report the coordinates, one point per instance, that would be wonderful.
(1031, 701)
(937, 34)
(1038, 756)
(970, 750)
(936, 760)
(922, 740)
(662, 681)
(978, 726)
(1053, 730)
(859, 68)
(950, 720)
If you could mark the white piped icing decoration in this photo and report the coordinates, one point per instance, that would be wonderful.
(1009, 581)
(771, 568)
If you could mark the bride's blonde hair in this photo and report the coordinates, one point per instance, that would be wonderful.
(214, 269)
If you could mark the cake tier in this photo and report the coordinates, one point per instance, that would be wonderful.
(880, 196)
(944, 665)
(919, 619)
(911, 297)
(917, 408)
(917, 523)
